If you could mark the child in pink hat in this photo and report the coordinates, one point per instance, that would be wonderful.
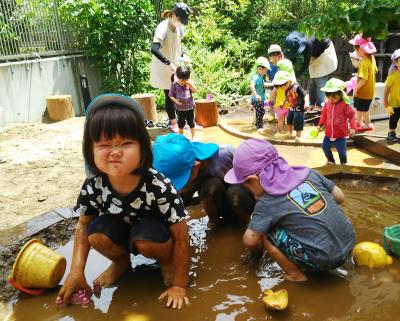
(391, 96)
(296, 218)
(364, 92)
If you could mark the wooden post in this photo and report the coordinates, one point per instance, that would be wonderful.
(60, 107)
(206, 114)
(148, 103)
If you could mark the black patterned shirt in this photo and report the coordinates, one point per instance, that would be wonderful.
(154, 196)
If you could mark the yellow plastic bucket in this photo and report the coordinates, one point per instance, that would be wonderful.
(38, 266)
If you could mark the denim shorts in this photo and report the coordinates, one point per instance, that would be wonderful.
(296, 119)
(124, 234)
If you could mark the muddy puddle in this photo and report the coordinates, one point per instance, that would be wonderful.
(226, 285)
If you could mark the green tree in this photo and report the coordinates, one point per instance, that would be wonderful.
(346, 18)
(117, 33)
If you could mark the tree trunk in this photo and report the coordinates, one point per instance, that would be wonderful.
(60, 107)
(148, 103)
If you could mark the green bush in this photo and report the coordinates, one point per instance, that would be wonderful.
(117, 33)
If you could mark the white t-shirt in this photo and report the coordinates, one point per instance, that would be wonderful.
(160, 74)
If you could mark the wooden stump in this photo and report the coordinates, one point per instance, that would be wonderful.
(206, 113)
(148, 103)
(60, 107)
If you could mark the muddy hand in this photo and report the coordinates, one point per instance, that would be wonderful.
(73, 283)
(176, 296)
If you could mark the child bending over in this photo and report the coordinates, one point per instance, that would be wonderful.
(296, 218)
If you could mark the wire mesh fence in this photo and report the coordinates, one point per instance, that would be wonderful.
(32, 29)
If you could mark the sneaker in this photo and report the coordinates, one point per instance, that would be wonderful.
(175, 128)
(297, 139)
(261, 130)
(197, 127)
(329, 163)
(392, 138)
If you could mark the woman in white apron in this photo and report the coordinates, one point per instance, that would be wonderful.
(166, 49)
(320, 59)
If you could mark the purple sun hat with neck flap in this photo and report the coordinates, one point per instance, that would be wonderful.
(259, 157)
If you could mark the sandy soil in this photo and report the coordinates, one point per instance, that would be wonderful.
(43, 168)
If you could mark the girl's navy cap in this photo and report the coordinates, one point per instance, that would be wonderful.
(114, 99)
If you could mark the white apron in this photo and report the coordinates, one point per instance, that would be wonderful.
(325, 64)
(160, 74)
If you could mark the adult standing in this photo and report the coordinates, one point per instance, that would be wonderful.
(320, 59)
(167, 49)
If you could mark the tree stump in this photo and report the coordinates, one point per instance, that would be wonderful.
(206, 113)
(59, 107)
(148, 103)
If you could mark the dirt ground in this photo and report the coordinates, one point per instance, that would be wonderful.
(43, 168)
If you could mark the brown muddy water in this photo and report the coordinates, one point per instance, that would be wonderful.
(227, 286)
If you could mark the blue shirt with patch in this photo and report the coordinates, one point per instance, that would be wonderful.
(310, 215)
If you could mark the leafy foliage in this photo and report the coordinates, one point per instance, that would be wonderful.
(346, 18)
(117, 34)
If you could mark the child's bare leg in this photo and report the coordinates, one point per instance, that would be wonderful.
(181, 131)
(292, 271)
(298, 133)
(163, 253)
(192, 131)
(359, 117)
(211, 210)
(366, 118)
(290, 130)
(118, 255)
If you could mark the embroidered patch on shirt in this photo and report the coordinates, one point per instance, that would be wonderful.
(308, 199)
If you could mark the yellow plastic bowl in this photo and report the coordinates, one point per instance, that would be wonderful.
(276, 300)
(371, 254)
(38, 266)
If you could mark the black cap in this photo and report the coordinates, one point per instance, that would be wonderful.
(295, 43)
(182, 10)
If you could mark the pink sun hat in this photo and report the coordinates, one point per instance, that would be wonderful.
(258, 157)
(366, 45)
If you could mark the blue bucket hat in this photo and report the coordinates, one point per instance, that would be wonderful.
(295, 43)
(114, 99)
(174, 156)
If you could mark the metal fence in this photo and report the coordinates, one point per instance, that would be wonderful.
(32, 29)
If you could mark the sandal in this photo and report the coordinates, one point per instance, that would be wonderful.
(162, 125)
(150, 124)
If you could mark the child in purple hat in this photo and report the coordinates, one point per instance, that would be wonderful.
(297, 218)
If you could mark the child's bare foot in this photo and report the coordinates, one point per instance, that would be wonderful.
(295, 276)
(112, 273)
(167, 272)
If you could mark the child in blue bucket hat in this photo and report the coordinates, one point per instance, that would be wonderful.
(296, 217)
(201, 167)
